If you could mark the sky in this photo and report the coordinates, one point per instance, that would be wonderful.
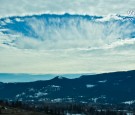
(33, 42)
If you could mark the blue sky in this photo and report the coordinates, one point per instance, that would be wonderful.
(37, 37)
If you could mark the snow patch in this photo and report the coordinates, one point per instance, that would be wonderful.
(95, 99)
(90, 86)
(18, 95)
(60, 77)
(55, 86)
(31, 89)
(39, 94)
(103, 81)
(129, 102)
(57, 100)
(30, 96)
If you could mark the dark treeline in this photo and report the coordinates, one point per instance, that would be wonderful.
(69, 108)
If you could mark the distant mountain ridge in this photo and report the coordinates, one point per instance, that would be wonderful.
(20, 77)
(116, 87)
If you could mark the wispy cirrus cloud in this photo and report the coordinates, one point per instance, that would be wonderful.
(72, 33)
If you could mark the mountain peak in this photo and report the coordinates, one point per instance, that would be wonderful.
(59, 78)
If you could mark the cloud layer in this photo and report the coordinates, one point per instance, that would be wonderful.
(92, 7)
(66, 45)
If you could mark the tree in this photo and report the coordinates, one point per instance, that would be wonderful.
(0, 111)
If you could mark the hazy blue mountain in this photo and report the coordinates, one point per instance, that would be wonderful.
(10, 77)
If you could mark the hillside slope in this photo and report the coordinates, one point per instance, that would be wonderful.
(117, 87)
